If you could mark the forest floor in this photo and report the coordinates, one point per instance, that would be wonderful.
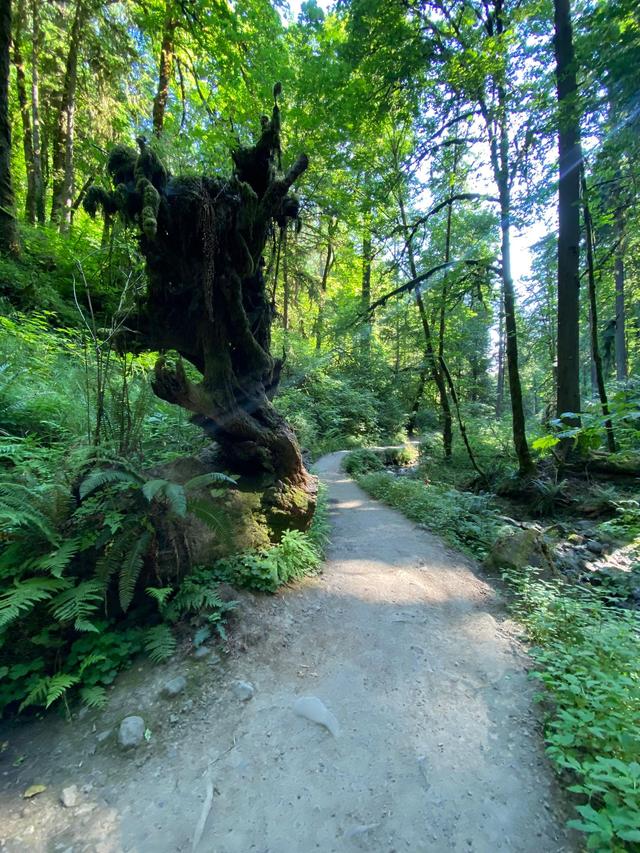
(440, 745)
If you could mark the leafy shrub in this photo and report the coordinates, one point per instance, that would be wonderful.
(362, 462)
(293, 557)
(588, 658)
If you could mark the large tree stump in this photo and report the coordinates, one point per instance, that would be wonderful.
(203, 239)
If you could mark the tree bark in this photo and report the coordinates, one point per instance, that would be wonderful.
(165, 68)
(500, 377)
(430, 355)
(25, 111)
(498, 137)
(620, 340)
(593, 316)
(570, 158)
(365, 293)
(9, 241)
(203, 239)
(64, 134)
(326, 269)
(38, 181)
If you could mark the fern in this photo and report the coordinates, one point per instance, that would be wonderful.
(160, 595)
(131, 570)
(49, 689)
(208, 479)
(19, 510)
(24, 595)
(103, 477)
(151, 488)
(90, 660)
(57, 561)
(78, 603)
(176, 499)
(159, 643)
(94, 697)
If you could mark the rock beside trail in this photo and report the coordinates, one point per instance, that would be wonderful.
(69, 796)
(243, 690)
(131, 732)
(174, 687)
(517, 547)
(201, 652)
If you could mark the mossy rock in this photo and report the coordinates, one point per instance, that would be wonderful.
(516, 548)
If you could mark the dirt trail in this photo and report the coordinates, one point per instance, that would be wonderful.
(439, 749)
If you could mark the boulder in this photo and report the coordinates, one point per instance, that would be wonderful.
(517, 547)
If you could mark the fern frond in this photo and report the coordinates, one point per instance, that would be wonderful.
(177, 499)
(208, 479)
(160, 594)
(206, 512)
(90, 660)
(78, 603)
(19, 510)
(152, 487)
(159, 643)
(103, 477)
(58, 686)
(57, 561)
(131, 569)
(94, 697)
(24, 595)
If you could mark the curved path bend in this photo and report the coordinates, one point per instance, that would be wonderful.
(440, 747)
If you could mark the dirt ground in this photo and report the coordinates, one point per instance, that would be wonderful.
(439, 748)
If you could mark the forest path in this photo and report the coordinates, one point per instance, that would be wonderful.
(439, 749)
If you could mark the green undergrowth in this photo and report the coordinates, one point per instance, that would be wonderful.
(296, 555)
(586, 648)
(466, 521)
(587, 655)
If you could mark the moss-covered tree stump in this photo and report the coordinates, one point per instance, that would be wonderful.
(206, 303)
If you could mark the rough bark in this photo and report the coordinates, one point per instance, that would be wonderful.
(498, 138)
(203, 240)
(432, 362)
(593, 317)
(570, 157)
(9, 241)
(329, 260)
(25, 111)
(620, 340)
(64, 134)
(165, 68)
(38, 180)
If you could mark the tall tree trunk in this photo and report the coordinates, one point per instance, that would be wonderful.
(64, 135)
(500, 378)
(498, 138)
(38, 180)
(25, 111)
(326, 269)
(365, 292)
(570, 157)
(593, 315)
(165, 68)
(431, 360)
(9, 241)
(286, 290)
(621, 342)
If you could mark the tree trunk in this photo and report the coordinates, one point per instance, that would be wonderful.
(25, 112)
(430, 355)
(64, 135)
(203, 239)
(500, 378)
(593, 315)
(165, 69)
(570, 157)
(365, 293)
(621, 342)
(38, 181)
(326, 269)
(9, 241)
(286, 290)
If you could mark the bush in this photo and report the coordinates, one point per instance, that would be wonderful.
(588, 658)
(362, 462)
